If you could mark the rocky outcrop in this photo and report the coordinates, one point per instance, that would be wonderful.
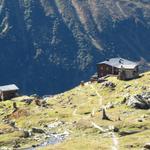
(139, 101)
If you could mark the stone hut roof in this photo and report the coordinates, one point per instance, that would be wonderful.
(11, 87)
(120, 62)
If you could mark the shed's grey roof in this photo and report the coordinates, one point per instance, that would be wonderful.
(120, 62)
(11, 87)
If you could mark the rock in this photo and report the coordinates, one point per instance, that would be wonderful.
(124, 100)
(109, 84)
(55, 124)
(140, 120)
(147, 146)
(93, 94)
(127, 86)
(94, 77)
(104, 115)
(144, 87)
(124, 133)
(2, 113)
(26, 134)
(144, 116)
(28, 101)
(101, 80)
(116, 129)
(1, 132)
(82, 83)
(109, 105)
(44, 104)
(37, 102)
(139, 101)
(12, 123)
(15, 144)
(35, 96)
(15, 107)
(34, 146)
(36, 130)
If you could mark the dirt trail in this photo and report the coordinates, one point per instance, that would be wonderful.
(109, 130)
(115, 141)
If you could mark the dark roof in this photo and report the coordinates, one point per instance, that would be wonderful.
(120, 62)
(11, 87)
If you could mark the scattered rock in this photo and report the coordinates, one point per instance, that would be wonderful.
(55, 124)
(82, 83)
(1, 132)
(144, 88)
(147, 146)
(37, 102)
(26, 134)
(93, 94)
(44, 104)
(16, 145)
(101, 80)
(109, 84)
(104, 115)
(126, 97)
(116, 129)
(140, 120)
(144, 116)
(74, 106)
(124, 133)
(27, 101)
(35, 146)
(15, 107)
(109, 105)
(139, 101)
(94, 77)
(127, 86)
(35, 96)
(37, 130)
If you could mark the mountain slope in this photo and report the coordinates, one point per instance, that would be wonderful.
(49, 46)
(78, 113)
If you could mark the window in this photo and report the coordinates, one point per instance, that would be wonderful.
(107, 68)
(102, 67)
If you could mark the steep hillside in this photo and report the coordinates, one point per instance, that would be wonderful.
(73, 120)
(48, 46)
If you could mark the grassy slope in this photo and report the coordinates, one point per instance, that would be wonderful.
(75, 108)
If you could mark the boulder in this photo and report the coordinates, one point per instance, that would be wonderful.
(37, 130)
(139, 101)
(147, 146)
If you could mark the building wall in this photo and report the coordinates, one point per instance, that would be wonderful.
(104, 69)
(131, 73)
(127, 74)
(8, 95)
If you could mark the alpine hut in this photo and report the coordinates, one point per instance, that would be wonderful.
(8, 92)
(123, 68)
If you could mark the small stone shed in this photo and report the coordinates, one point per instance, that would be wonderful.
(123, 68)
(8, 92)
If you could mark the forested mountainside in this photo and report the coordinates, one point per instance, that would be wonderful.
(48, 46)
